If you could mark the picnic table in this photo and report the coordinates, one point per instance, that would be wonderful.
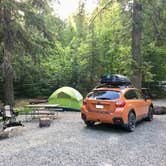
(46, 110)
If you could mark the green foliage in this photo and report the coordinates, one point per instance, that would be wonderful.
(156, 56)
(23, 110)
(50, 53)
(154, 39)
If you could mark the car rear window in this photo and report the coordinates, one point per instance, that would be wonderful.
(104, 95)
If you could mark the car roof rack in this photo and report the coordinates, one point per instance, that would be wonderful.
(113, 86)
(114, 81)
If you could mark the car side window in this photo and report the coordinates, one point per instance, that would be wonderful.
(139, 95)
(130, 95)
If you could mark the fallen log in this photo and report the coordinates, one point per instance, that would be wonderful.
(159, 110)
(37, 101)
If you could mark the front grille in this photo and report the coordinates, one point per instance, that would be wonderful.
(100, 112)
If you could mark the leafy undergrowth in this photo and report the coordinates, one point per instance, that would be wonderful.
(20, 106)
(22, 110)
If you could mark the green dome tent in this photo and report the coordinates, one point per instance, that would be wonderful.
(66, 97)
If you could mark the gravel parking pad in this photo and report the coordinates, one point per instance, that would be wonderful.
(68, 142)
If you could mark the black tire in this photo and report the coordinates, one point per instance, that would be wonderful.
(150, 114)
(90, 123)
(131, 122)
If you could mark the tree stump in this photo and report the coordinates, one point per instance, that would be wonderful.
(44, 122)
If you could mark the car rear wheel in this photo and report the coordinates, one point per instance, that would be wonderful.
(89, 123)
(150, 114)
(131, 122)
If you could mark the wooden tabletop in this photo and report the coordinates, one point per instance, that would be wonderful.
(43, 105)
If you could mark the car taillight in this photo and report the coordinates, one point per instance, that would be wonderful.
(84, 102)
(120, 103)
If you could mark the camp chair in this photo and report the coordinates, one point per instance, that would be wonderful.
(7, 113)
(9, 119)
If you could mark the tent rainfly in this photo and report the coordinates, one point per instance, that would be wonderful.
(66, 97)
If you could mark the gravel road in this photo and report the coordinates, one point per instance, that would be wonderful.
(68, 142)
(160, 102)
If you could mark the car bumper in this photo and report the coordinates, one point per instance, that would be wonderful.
(117, 117)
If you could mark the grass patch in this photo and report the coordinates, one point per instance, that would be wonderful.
(23, 110)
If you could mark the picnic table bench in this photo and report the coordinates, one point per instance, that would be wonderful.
(46, 110)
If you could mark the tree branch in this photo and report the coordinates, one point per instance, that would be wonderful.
(100, 11)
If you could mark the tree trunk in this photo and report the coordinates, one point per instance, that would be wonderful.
(7, 58)
(93, 58)
(136, 44)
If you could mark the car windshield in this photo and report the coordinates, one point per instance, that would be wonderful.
(104, 95)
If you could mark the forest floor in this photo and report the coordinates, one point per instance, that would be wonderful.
(68, 142)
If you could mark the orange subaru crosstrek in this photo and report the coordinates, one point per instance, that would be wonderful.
(123, 106)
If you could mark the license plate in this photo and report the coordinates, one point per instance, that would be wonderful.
(99, 106)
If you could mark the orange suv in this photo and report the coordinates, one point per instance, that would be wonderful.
(121, 105)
